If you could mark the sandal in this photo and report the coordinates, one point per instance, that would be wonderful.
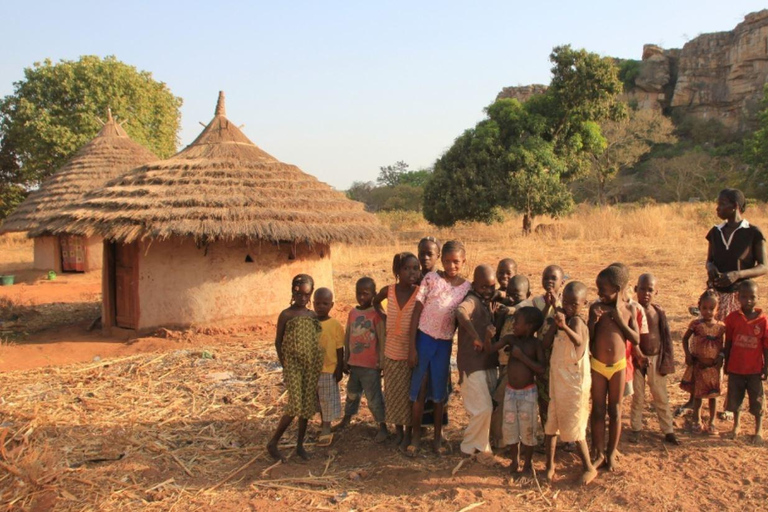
(712, 429)
(325, 440)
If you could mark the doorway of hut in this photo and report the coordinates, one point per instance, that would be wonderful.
(73, 250)
(120, 286)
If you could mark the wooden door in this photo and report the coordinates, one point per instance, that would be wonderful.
(126, 286)
(72, 253)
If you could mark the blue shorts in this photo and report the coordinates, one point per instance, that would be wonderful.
(435, 361)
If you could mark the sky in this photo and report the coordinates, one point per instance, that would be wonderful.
(342, 88)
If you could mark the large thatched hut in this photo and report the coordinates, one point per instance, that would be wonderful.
(110, 154)
(215, 233)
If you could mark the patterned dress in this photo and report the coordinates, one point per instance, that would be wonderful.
(303, 364)
(397, 373)
(706, 342)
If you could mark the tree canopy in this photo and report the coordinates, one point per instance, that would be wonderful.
(55, 109)
(522, 154)
(756, 149)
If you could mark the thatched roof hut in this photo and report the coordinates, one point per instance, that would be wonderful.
(215, 232)
(108, 155)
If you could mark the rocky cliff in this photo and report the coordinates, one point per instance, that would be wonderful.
(714, 76)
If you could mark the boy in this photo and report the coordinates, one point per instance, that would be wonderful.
(364, 352)
(570, 380)
(332, 343)
(654, 361)
(505, 270)
(611, 323)
(526, 359)
(518, 290)
(746, 356)
(477, 368)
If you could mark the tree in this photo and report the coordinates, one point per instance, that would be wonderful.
(400, 174)
(694, 174)
(522, 155)
(756, 148)
(628, 140)
(55, 109)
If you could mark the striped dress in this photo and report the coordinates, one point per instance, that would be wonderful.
(397, 374)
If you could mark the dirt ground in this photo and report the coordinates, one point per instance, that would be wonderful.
(179, 421)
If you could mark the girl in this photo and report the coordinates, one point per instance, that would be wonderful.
(401, 300)
(704, 357)
(298, 348)
(429, 253)
(736, 252)
(431, 335)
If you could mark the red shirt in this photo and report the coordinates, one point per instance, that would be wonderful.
(365, 331)
(748, 339)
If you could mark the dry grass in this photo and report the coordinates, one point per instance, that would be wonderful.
(14, 240)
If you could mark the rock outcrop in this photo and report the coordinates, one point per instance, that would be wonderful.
(717, 76)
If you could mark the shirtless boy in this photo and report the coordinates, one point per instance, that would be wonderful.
(612, 322)
(521, 402)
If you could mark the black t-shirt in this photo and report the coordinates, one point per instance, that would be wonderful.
(734, 254)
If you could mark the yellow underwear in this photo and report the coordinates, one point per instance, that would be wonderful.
(607, 370)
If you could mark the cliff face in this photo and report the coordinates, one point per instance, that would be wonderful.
(715, 76)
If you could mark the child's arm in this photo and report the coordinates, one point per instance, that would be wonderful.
(462, 315)
(413, 359)
(595, 312)
(378, 299)
(535, 363)
(572, 328)
(500, 318)
(380, 326)
(495, 347)
(689, 359)
(764, 373)
(281, 321)
(727, 348)
(346, 345)
(339, 371)
(628, 329)
(549, 336)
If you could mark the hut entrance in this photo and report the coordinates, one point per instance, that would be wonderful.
(126, 279)
(73, 255)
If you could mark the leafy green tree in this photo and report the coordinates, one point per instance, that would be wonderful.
(756, 148)
(522, 154)
(55, 109)
(400, 174)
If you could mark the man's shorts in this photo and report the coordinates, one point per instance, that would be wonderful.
(521, 412)
(752, 385)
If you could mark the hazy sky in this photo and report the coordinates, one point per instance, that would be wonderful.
(341, 88)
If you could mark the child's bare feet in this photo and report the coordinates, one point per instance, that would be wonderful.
(439, 448)
(600, 461)
(514, 468)
(634, 436)
(301, 452)
(612, 462)
(672, 439)
(274, 452)
(757, 439)
(550, 475)
(381, 435)
(733, 434)
(588, 476)
(342, 424)
(399, 436)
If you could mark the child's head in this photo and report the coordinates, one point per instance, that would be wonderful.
(453, 257)
(429, 253)
(365, 291)
(730, 201)
(528, 320)
(610, 283)
(504, 272)
(748, 295)
(323, 302)
(484, 282)
(552, 279)
(302, 287)
(574, 298)
(518, 289)
(625, 270)
(405, 266)
(645, 289)
(708, 305)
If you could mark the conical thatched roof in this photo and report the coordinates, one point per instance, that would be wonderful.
(110, 154)
(222, 187)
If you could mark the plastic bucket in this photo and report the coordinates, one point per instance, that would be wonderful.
(51, 275)
(6, 280)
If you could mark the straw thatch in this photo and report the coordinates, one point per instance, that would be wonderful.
(222, 187)
(110, 154)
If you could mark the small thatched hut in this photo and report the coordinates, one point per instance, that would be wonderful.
(110, 154)
(215, 233)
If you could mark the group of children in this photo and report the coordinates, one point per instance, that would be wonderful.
(521, 359)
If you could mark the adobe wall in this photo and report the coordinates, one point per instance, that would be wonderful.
(94, 253)
(180, 284)
(47, 254)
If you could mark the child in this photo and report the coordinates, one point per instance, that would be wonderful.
(704, 359)
(505, 270)
(401, 299)
(611, 323)
(364, 352)
(332, 343)
(520, 401)
(477, 367)
(746, 356)
(429, 254)
(570, 380)
(298, 348)
(654, 361)
(431, 336)
(518, 290)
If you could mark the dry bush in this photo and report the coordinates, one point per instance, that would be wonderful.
(9, 240)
